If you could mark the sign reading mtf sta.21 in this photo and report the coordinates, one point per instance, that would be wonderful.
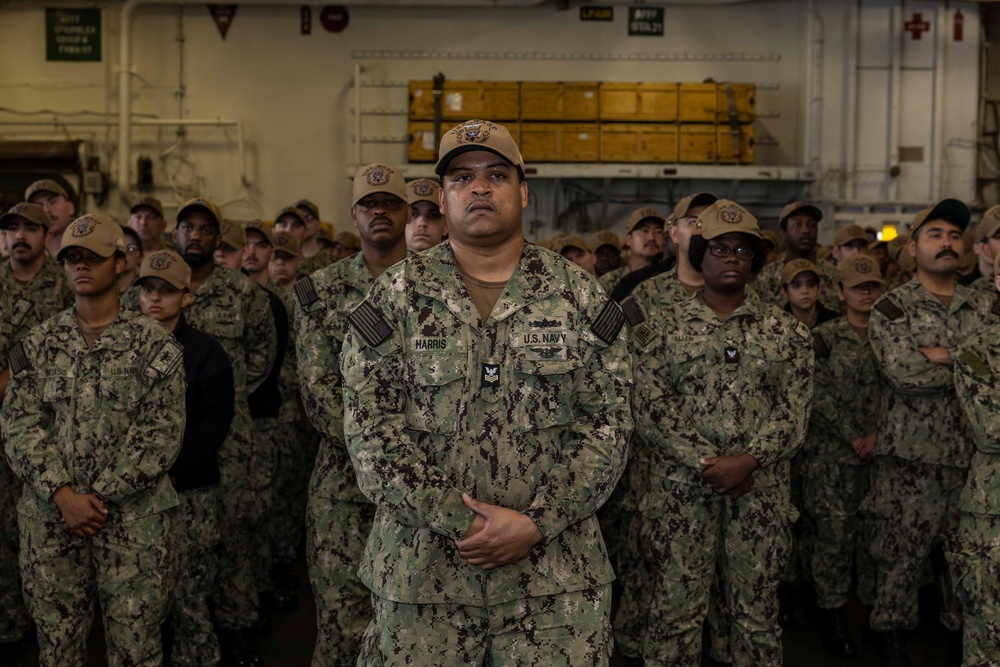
(643, 20)
(73, 34)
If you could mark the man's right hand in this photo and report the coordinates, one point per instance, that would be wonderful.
(83, 514)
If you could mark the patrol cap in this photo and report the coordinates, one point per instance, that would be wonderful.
(286, 243)
(259, 226)
(858, 269)
(969, 256)
(478, 135)
(325, 232)
(573, 242)
(605, 237)
(952, 209)
(44, 185)
(348, 239)
(147, 202)
(689, 202)
(876, 243)
(376, 177)
(166, 265)
(290, 210)
(850, 233)
(31, 212)
(307, 206)
(96, 233)
(422, 189)
(641, 215)
(794, 267)
(905, 260)
(989, 224)
(797, 206)
(200, 204)
(233, 234)
(770, 238)
(725, 217)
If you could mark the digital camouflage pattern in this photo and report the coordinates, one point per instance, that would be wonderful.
(977, 383)
(923, 450)
(195, 542)
(339, 517)
(846, 387)
(429, 393)
(107, 419)
(48, 289)
(17, 317)
(711, 387)
(318, 262)
(519, 633)
(767, 284)
(234, 310)
(611, 279)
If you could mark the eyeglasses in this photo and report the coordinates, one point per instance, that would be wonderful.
(133, 248)
(743, 252)
(388, 203)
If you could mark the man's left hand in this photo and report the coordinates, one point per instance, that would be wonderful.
(727, 473)
(506, 538)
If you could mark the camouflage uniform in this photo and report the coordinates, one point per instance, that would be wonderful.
(311, 265)
(767, 284)
(845, 406)
(977, 378)
(17, 316)
(48, 288)
(648, 305)
(610, 279)
(231, 308)
(694, 402)
(105, 419)
(529, 411)
(338, 516)
(923, 449)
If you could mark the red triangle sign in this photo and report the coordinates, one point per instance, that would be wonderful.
(223, 16)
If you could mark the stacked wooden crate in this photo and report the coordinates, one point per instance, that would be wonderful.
(598, 122)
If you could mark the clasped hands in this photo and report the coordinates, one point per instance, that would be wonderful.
(498, 535)
(729, 475)
(83, 514)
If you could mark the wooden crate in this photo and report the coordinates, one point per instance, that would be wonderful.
(466, 100)
(698, 144)
(557, 100)
(422, 144)
(639, 142)
(725, 144)
(697, 102)
(745, 96)
(639, 102)
(560, 142)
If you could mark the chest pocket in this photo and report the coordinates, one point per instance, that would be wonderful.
(439, 387)
(693, 354)
(56, 388)
(118, 391)
(544, 390)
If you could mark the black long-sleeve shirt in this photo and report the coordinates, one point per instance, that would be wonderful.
(265, 401)
(210, 401)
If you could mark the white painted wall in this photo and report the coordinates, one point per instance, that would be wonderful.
(295, 97)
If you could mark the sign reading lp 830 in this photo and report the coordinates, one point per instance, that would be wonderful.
(643, 20)
(73, 34)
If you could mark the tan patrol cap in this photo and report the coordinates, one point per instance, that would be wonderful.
(422, 189)
(573, 242)
(31, 212)
(325, 232)
(147, 202)
(850, 233)
(770, 237)
(96, 233)
(952, 209)
(642, 214)
(795, 267)
(797, 206)
(904, 259)
(262, 227)
(200, 204)
(232, 234)
(44, 185)
(605, 237)
(689, 202)
(377, 177)
(725, 217)
(166, 265)
(858, 269)
(306, 205)
(290, 210)
(286, 243)
(876, 243)
(989, 224)
(348, 240)
(477, 135)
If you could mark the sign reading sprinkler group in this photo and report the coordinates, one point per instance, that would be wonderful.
(73, 34)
